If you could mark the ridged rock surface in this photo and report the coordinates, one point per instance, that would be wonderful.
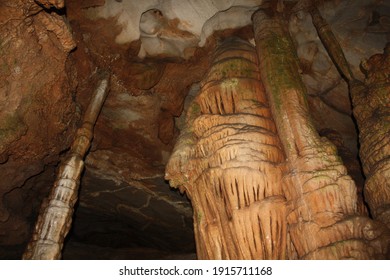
(125, 204)
(372, 111)
(227, 162)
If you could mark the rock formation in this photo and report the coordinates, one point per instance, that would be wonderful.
(371, 103)
(37, 109)
(227, 161)
(322, 201)
(172, 88)
(55, 219)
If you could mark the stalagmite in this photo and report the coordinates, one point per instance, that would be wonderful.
(371, 107)
(227, 160)
(55, 219)
(322, 213)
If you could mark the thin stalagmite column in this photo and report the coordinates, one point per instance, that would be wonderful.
(322, 209)
(55, 218)
(371, 108)
(227, 160)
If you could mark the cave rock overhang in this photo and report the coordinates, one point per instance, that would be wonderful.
(173, 28)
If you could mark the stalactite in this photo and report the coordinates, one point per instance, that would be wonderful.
(330, 42)
(228, 162)
(322, 210)
(55, 218)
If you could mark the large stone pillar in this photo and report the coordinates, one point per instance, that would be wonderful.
(228, 161)
(321, 196)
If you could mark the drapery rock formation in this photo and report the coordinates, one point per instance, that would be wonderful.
(158, 52)
(227, 162)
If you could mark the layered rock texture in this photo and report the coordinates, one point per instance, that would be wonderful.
(226, 161)
(183, 91)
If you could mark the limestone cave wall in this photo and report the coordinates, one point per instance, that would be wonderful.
(159, 54)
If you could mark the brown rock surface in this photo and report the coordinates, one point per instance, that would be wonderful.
(372, 111)
(37, 83)
(125, 203)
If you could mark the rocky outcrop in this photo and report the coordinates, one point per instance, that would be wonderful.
(37, 111)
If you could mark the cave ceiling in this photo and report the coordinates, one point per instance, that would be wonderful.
(157, 52)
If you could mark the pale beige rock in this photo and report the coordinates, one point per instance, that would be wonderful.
(174, 27)
(55, 219)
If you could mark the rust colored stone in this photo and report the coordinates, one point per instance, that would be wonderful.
(37, 110)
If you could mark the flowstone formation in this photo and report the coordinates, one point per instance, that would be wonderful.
(372, 111)
(226, 161)
(321, 197)
(253, 195)
(160, 56)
